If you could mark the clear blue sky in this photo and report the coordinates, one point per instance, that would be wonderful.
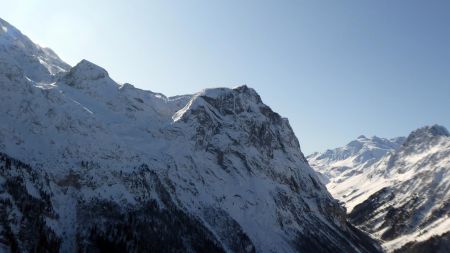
(336, 69)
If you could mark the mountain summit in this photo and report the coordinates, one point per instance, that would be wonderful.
(425, 134)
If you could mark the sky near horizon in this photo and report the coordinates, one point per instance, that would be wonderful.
(336, 69)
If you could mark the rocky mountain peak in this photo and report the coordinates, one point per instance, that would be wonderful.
(427, 132)
(86, 70)
(87, 75)
(424, 138)
(362, 137)
(222, 102)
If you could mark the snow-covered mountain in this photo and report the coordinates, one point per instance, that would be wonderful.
(90, 165)
(402, 197)
(335, 166)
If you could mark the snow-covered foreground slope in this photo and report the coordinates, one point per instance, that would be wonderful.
(89, 165)
(403, 196)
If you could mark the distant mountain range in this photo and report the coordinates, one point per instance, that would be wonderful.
(90, 165)
(398, 190)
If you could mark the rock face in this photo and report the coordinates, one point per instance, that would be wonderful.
(89, 165)
(403, 197)
(436, 244)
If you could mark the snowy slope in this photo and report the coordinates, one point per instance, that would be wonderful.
(38, 63)
(404, 196)
(109, 167)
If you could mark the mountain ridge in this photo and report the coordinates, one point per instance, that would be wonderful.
(352, 158)
(402, 197)
(119, 168)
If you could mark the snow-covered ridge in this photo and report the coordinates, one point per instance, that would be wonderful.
(402, 196)
(340, 163)
(38, 63)
(116, 167)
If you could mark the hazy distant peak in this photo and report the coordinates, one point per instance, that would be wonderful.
(352, 158)
(431, 131)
